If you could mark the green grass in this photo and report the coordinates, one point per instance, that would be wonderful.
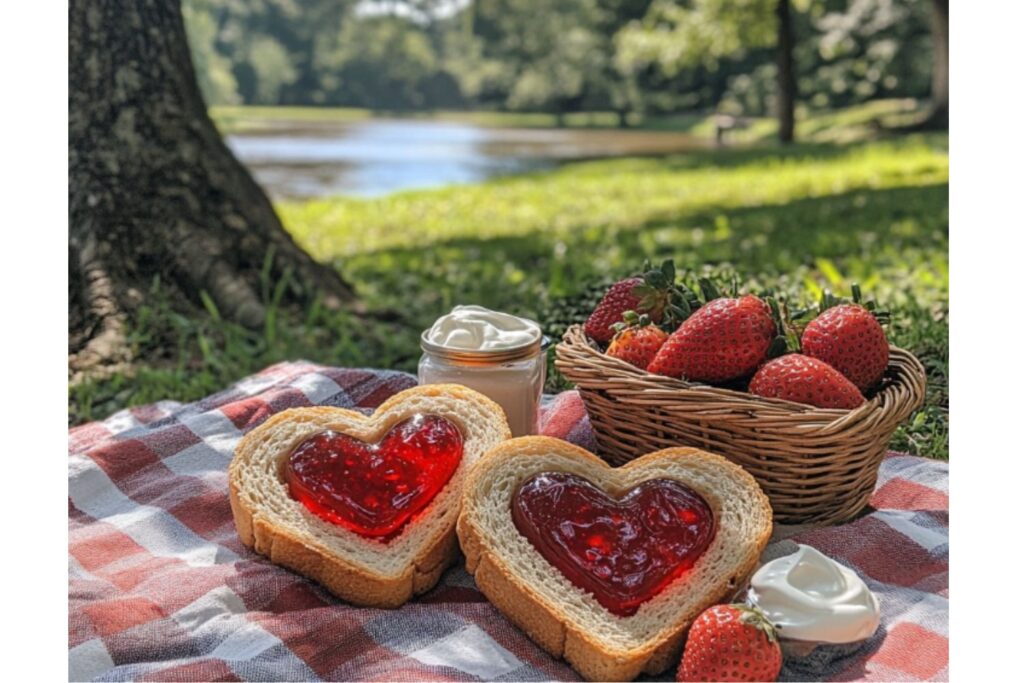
(812, 216)
(207, 353)
(238, 119)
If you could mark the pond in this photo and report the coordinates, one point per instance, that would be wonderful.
(376, 157)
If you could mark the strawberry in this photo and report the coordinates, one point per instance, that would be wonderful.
(723, 340)
(654, 293)
(802, 379)
(851, 340)
(731, 643)
(619, 298)
(637, 340)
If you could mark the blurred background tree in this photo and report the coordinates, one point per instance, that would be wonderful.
(633, 57)
(382, 63)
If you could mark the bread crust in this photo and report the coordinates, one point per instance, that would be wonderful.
(303, 553)
(547, 624)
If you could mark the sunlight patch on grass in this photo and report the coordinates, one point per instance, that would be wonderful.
(622, 193)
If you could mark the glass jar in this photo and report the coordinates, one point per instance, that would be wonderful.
(512, 377)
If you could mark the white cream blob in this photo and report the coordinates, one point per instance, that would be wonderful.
(475, 328)
(811, 597)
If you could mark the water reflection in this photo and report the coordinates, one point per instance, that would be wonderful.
(292, 159)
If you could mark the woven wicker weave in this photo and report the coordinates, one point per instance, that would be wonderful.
(816, 465)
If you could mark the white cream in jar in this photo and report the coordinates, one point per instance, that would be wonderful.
(498, 354)
(812, 598)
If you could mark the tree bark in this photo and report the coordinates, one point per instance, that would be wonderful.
(153, 189)
(939, 116)
(786, 72)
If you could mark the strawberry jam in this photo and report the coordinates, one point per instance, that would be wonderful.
(374, 489)
(622, 551)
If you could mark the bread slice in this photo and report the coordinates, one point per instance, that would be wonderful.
(357, 569)
(569, 622)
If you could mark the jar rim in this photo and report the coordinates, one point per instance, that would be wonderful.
(485, 357)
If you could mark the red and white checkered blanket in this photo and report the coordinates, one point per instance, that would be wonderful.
(160, 588)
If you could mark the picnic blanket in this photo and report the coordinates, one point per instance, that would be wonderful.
(160, 587)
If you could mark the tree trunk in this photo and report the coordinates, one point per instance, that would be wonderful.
(153, 189)
(786, 72)
(939, 116)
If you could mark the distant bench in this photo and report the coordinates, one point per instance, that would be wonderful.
(725, 123)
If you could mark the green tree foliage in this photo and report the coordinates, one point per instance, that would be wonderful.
(848, 51)
(866, 48)
(629, 56)
(550, 54)
(213, 70)
(272, 68)
(384, 62)
(677, 36)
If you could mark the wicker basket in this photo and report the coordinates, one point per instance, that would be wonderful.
(816, 465)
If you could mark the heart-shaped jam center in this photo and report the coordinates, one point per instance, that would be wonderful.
(622, 551)
(374, 489)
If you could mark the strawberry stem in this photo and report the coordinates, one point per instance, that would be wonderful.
(787, 338)
(755, 617)
(708, 289)
(828, 300)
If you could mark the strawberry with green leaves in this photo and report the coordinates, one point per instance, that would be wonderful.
(731, 643)
(725, 339)
(620, 297)
(636, 340)
(654, 293)
(802, 379)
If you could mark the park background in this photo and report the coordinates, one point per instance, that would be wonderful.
(519, 155)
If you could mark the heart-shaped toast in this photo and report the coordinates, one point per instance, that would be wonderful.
(606, 567)
(366, 506)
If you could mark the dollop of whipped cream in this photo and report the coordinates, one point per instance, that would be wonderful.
(475, 328)
(811, 597)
